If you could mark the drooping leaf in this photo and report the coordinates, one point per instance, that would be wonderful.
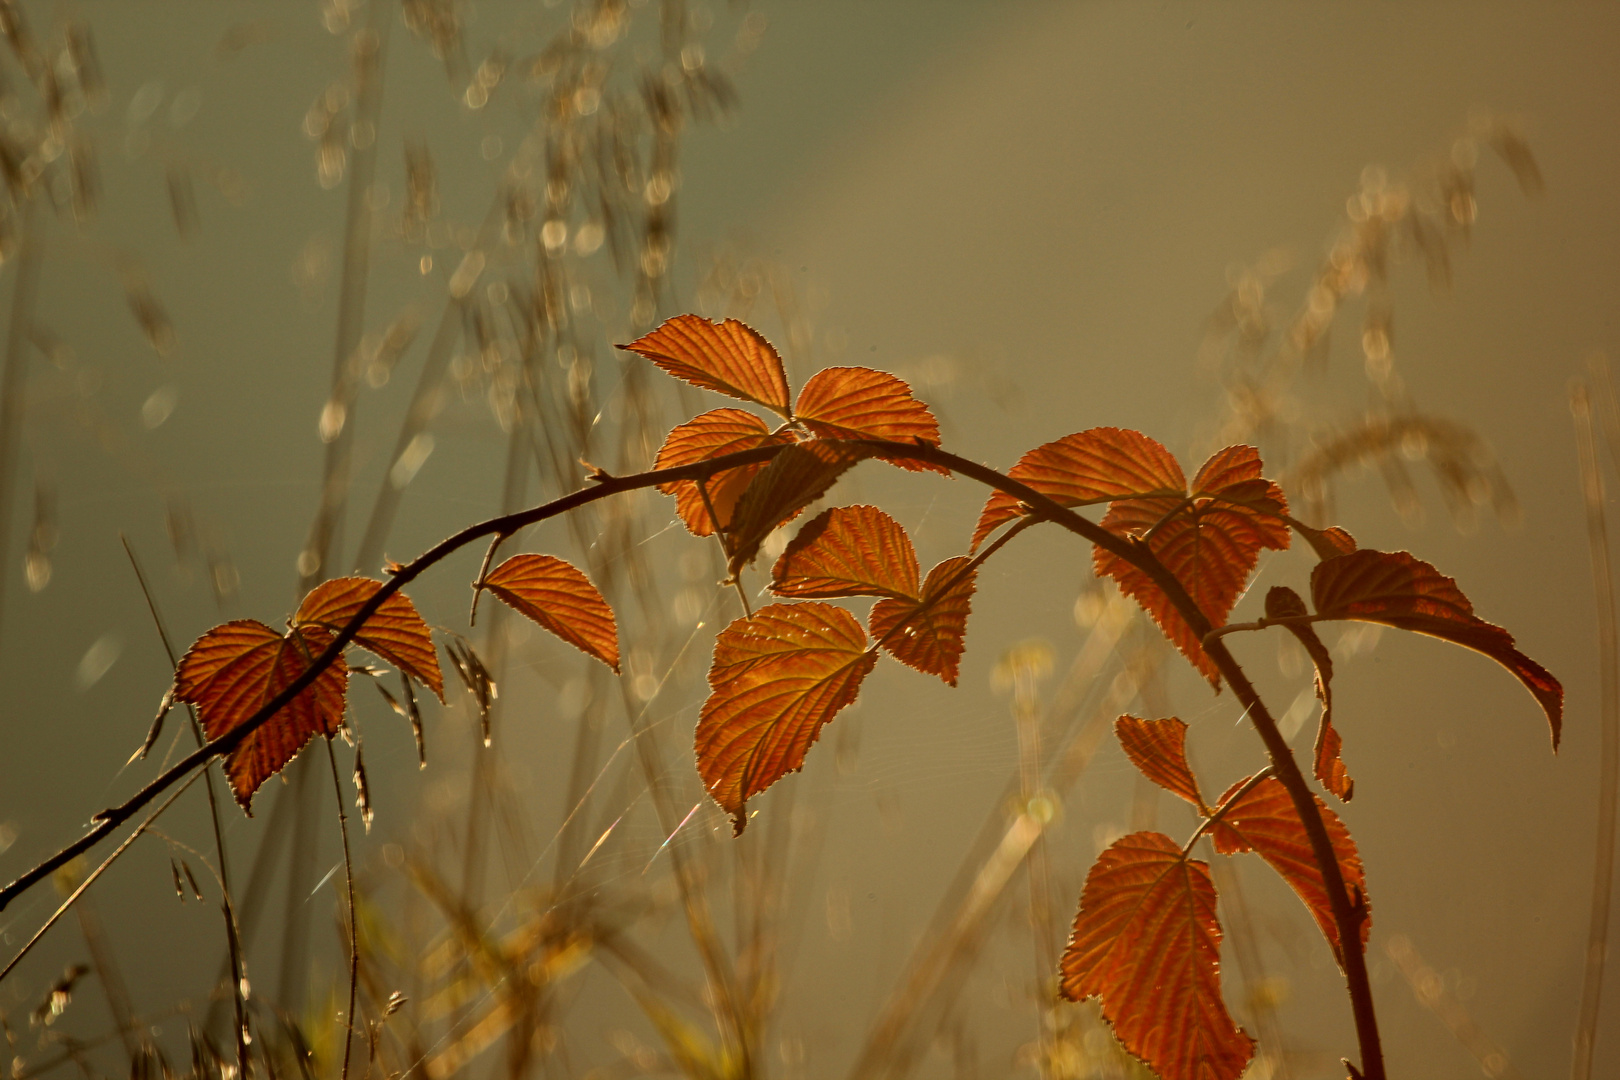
(1264, 820)
(1396, 589)
(711, 435)
(778, 676)
(1209, 538)
(561, 599)
(729, 357)
(860, 403)
(798, 476)
(236, 668)
(1147, 943)
(929, 632)
(1281, 603)
(1159, 749)
(394, 632)
(848, 551)
(1326, 542)
(1087, 467)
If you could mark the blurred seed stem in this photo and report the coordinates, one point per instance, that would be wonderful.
(13, 380)
(1597, 532)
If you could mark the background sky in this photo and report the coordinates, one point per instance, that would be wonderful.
(1027, 209)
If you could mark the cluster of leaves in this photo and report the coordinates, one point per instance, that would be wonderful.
(236, 669)
(1146, 939)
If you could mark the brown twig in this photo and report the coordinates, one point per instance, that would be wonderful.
(1347, 915)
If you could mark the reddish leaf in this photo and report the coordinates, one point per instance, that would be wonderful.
(798, 476)
(729, 357)
(1147, 942)
(1396, 589)
(561, 599)
(848, 551)
(1159, 749)
(1327, 542)
(713, 434)
(395, 632)
(1087, 467)
(777, 677)
(928, 632)
(860, 403)
(1284, 603)
(1265, 821)
(235, 669)
(1328, 764)
(1209, 539)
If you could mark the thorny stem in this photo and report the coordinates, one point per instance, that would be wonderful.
(1347, 917)
(354, 936)
(227, 905)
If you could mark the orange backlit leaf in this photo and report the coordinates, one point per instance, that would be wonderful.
(1147, 943)
(848, 551)
(1284, 603)
(1209, 538)
(778, 676)
(1159, 749)
(929, 632)
(1087, 467)
(1326, 542)
(394, 632)
(798, 476)
(235, 669)
(1396, 589)
(729, 357)
(860, 403)
(561, 599)
(1264, 820)
(711, 435)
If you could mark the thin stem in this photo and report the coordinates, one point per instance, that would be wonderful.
(14, 377)
(483, 571)
(1262, 624)
(354, 939)
(1597, 937)
(73, 897)
(227, 905)
(1219, 812)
